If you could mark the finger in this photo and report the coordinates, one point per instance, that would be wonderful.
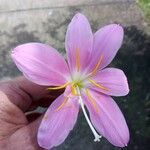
(33, 127)
(40, 95)
(11, 117)
(34, 90)
(23, 93)
(27, 136)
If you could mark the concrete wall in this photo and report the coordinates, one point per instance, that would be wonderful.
(46, 21)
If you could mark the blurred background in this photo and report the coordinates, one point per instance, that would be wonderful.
(45, 21)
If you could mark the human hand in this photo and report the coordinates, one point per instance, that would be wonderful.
(18, 126)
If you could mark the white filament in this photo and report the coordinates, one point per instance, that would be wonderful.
(96, 135)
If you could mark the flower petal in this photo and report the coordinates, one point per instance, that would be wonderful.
(107, 41)
(79, 41)
(40, 63)
(57, 124)
(113, 79)
(109, 120)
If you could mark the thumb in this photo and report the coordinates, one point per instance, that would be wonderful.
(27, 136)
(33, 129)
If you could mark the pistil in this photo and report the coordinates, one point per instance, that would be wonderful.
(96, 135)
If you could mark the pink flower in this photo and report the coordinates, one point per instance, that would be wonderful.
(87, 82)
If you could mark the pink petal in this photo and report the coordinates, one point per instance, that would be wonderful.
(57, 124)
(40, 63)
(79, 39)
(108, 120)
(114, 80)
(107, 41)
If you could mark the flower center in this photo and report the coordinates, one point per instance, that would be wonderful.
(78, 84)
(77, 81)
(74, 85)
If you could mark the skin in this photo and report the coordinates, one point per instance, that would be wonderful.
(18, 124)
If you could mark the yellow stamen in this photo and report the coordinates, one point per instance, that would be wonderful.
(92, 100)
(73, 90)
(58, 87)
(98, 85)
(77, 59)
(97, 66)
(63, 103)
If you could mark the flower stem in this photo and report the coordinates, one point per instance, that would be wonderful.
(96, 135)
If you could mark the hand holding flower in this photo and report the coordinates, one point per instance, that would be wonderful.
(18, 126)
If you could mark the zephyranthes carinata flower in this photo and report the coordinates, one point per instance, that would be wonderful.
(86, 81)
